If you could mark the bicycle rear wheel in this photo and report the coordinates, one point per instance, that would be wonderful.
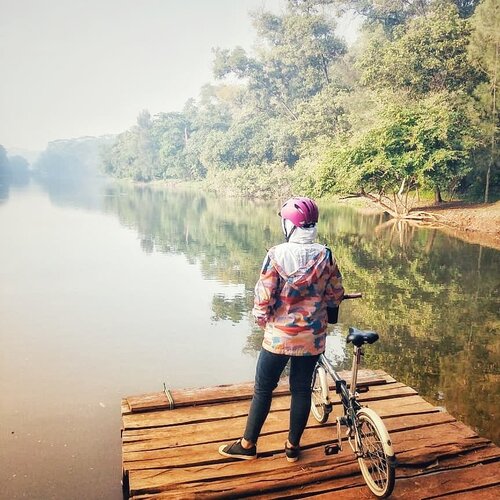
(320, 406)
(376, 457)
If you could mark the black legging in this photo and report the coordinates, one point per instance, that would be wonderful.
(269, 369)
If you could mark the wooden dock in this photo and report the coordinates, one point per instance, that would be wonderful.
(172, 453)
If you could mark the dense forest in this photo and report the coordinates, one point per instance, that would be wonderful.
(411, 107)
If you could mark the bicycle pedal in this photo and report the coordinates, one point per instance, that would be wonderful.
(332, 449)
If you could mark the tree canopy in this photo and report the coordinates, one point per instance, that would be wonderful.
(411, 105)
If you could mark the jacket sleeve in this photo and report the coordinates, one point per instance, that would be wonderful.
(334, 289)
(265, 289)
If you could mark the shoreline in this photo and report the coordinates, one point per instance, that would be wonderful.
(475, 223)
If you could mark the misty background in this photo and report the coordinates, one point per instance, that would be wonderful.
(74, 69)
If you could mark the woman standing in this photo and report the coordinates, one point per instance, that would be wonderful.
(298, 281)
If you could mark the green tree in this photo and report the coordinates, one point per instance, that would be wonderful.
(322, 116)
(134, 154)
(427, 54)
(484, 52)
(209, 117)
(389, 13)
(303, 107)
(250, 141)
(169, 134)
(292, 63)
(427, 142)
(146, 159)
(71, 158)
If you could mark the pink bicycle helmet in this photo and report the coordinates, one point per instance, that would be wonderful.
(302, 212)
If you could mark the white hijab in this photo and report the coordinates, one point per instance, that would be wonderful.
(300, 248)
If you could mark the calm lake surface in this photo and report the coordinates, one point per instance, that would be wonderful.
(108, 290)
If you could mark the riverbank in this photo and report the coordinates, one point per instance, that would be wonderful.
(474, 223)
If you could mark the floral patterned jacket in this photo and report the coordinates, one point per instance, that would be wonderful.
(297, 283)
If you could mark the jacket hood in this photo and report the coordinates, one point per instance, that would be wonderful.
(300, 265)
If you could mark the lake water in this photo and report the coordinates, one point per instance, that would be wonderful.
(108, 290)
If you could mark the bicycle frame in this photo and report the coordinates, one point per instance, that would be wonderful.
(366, 432)
(348, 396)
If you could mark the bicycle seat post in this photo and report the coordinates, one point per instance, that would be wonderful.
(356, 360)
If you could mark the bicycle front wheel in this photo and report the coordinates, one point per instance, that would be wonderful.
(375, 454)
(320, 405)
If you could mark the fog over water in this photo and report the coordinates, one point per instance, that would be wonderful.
(86, 317)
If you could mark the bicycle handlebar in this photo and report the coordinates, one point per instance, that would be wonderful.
(356, 295)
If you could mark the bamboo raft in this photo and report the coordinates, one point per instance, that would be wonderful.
(170, 442)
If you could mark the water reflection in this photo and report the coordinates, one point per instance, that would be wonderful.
(433, 299)
(114, 311)
(86, 192)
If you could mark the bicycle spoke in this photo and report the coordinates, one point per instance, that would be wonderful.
(318, 399)
(372, 453)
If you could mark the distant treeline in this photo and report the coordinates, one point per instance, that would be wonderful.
(13, 169)
(412, 105)
(71, 158)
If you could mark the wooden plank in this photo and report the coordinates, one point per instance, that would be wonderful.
(479, 479)
(337, 486)
(125, 407)
(196, 414)
(173, 454)
(206, 432)
(409, 405)
(417, 446)
(234, 392)
(206, 453)
(379, 392)
(443, 483)
(233, 475)
(218, 434)
(447, 439)
(482, 493)
(220, 431)
(487, 454)
(301, 482)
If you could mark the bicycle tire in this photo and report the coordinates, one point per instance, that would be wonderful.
(319, 395)
(377, 459)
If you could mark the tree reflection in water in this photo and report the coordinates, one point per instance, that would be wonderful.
(433, 299)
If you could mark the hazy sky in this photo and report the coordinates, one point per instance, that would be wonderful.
(70, 68)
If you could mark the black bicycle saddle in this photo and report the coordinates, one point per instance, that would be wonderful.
(360, 337)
